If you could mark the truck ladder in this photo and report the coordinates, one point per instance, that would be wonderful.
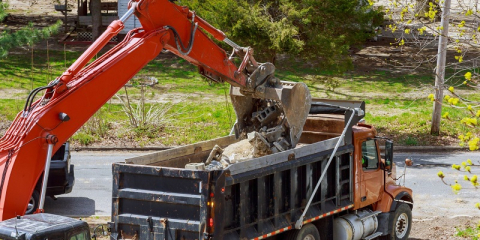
(359, 112)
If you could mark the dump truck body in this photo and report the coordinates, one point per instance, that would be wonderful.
(155, 197)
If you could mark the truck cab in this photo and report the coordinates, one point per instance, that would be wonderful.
(44, 226)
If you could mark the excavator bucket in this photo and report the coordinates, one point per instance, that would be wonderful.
(277, 112)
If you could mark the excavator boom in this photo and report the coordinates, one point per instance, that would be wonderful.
(263, 103)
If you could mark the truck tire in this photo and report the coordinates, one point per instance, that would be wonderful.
(308, 232)
(400, 222)
(33, 203)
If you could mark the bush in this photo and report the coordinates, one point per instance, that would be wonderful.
(320, 30)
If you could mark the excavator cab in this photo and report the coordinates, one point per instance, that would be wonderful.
(44, 226)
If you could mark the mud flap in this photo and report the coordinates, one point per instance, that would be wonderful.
(383, 223)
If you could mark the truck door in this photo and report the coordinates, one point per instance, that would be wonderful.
(372, 175)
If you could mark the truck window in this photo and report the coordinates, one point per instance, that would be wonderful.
(369, 155)
(79, 236)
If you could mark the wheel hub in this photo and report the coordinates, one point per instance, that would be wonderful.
(309, 237)
(401, 226)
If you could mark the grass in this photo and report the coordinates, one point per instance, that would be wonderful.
(188, 122)
(469, 232)
(10, 107)
(16, 71)
(396, 104)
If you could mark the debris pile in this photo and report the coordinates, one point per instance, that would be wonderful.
(252, 147)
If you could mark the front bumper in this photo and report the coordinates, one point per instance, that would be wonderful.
(63, 188)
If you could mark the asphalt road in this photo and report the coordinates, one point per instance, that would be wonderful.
(432, 197)
(91, 194)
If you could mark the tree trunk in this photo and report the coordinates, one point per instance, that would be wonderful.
(440, 71)
(96, 10)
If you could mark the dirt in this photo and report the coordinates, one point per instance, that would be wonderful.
(440, 228)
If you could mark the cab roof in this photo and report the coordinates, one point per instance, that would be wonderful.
(37, 225)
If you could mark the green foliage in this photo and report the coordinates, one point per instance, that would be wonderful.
(83, 138)
(27, 35)
(469, 232)
(320, 30)
(97, 125)
(411, 141)
(3, 12)
(267, 26)
(331, 27)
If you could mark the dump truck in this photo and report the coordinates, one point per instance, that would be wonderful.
(333, 185)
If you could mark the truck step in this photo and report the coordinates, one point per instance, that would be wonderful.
(377, 234)
(370, 215)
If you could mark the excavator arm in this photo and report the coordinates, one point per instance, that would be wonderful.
(275, 110)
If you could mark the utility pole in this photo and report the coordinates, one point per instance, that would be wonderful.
(440, 71)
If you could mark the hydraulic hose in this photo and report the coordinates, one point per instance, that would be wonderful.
(178, 39)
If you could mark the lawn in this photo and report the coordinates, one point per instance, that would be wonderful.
(396, 104)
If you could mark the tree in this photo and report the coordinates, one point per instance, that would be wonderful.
(96, 9)
(416, 26)
(460, 104)
(27, 35)
(322, 31)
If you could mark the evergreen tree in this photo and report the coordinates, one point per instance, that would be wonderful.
(27, 35)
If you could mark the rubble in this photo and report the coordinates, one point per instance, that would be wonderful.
(252, 147)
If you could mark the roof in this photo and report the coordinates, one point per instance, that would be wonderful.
(37, 225)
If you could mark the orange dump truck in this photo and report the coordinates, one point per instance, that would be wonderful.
(334, 185)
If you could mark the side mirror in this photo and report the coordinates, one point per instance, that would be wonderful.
(388, 154)
(99, 231)
(408, 162)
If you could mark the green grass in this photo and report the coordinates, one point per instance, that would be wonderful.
(16, 70)
(469, 233)
(9, 108)
(187, 123)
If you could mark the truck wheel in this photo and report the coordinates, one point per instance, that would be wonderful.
(401, 222)
(308, 232)
(33, 203)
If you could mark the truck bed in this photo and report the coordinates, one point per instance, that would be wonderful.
(155, 197)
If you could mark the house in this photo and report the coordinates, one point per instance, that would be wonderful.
(111, 10)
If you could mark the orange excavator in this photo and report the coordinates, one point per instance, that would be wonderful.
(263, 103)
